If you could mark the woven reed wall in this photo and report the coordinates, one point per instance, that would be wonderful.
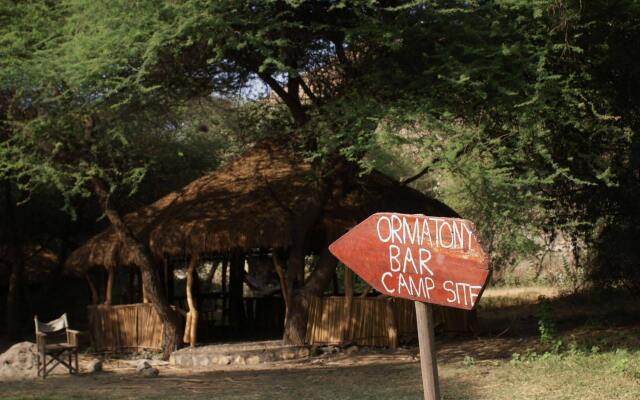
(125, 327)
(371, 320)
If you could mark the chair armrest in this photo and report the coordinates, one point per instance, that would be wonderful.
(72, 336)
(41, 340)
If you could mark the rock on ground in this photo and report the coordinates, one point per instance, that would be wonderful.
(150, 372)
(142, 365)
(94, 365)
(19, 361)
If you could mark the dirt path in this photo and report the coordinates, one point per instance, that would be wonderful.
(598, 343)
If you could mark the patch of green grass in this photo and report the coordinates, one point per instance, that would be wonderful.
(575, 374)
(583, 375)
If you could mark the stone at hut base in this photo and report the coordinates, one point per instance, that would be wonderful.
(142, 365)
(351, 349)
(315, 351)
(150, 372)
(253, 360)
(329, 349)
(224, 360)
(94, 365)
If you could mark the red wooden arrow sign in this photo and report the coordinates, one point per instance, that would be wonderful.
(428, 259)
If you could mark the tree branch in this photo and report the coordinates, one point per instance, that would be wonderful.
(299, 115)
(309, 93)
(407, 180)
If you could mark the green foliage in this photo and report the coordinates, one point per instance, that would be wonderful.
(524, 113)
(468, 361)
(546, 323)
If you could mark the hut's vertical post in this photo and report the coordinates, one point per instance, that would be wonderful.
(145, 298)
(225, 266)
(108, 295)
(278, 264)
(190, 332)
(348, 301)
(236, 292)
(92, 288)
(392, 325)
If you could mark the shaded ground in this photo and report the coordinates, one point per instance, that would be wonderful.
(598, 359)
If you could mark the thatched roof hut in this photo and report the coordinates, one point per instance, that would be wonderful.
(255, 202)
(247, 204)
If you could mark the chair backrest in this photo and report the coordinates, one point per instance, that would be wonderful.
(56, 325)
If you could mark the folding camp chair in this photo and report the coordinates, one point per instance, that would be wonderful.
(56, 340)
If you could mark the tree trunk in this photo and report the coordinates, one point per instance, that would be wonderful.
(149, 274)
(16, 258)
(295, 331)
(295, 324)
(13, 299)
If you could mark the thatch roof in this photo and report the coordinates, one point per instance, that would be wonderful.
(247, 204)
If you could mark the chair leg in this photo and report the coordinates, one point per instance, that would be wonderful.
(38, 364)
(76, 356)
(44, 365)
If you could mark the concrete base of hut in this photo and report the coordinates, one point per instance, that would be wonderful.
(245, 353)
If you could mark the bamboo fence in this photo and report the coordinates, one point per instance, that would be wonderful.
(125, 327)
(373, 322)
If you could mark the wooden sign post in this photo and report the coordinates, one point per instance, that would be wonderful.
(431, 260)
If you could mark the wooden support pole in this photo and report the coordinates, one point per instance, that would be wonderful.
(108, 295)
(428, 363)
(145, 298)
(278, 264)
(92, 288)
(236, 291)
(225, 311)
(190, 332)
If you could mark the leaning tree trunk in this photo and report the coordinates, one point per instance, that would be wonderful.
(295, 331)
(149, 274)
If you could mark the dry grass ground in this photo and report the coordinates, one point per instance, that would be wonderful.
(598, 358)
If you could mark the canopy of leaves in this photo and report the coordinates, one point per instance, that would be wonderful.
(524, 113)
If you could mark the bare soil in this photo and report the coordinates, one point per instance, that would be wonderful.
(599, 360)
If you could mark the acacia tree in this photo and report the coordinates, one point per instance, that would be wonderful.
(77, 119)
(496, 81)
